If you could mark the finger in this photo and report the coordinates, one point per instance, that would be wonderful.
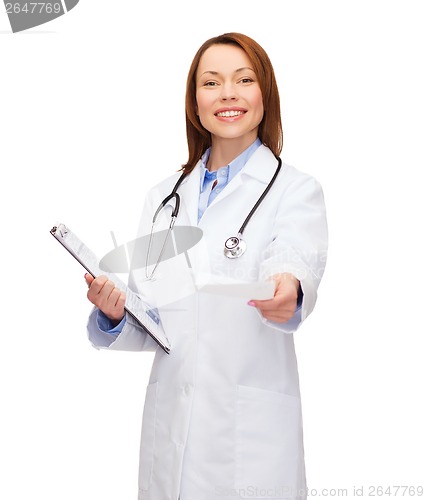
(261, 303)
(115, 305)
(279, 312)
(97, 285)
(279, 316)
(278, 296)
(121, 301)
(89, 279)
(119, 306)
(268, 305)
(284, 312)
(99, 292)
(114, 297)
(105, 292)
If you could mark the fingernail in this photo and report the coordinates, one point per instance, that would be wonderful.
(251, 303)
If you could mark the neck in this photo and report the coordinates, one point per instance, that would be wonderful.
(223, 151)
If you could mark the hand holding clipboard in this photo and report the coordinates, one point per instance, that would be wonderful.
(134, 305)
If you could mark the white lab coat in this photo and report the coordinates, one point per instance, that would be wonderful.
(222, 414)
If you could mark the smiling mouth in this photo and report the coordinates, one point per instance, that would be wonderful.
(229, 114)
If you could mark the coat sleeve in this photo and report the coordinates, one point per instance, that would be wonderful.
(299, 242)
(132, 337)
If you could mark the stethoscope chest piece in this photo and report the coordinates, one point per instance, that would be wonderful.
(234, 247)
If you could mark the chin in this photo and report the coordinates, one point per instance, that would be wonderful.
(231, 134)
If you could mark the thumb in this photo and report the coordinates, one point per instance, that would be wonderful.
(89, 279)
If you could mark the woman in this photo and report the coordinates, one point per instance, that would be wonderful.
(222, 413)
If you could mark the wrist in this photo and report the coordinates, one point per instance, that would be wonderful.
(115, 322)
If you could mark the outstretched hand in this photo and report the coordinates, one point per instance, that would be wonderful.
(283, 305)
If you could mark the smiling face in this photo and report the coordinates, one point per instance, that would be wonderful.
(228, 95)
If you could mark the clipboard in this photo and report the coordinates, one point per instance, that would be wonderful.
(134, 305)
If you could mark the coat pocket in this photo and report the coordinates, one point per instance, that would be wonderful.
(147, 441)
(269, 456)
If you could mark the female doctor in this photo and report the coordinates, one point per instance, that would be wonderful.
(222, 413)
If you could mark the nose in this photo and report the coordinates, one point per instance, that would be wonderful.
(228, 92)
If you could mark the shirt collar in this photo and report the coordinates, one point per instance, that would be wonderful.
(232, 168)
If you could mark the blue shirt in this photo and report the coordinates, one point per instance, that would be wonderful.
(223, 176)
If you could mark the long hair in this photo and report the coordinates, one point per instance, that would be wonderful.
(270, 128)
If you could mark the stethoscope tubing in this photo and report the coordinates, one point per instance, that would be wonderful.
(261, 198)
(238, 246)
(247, 219)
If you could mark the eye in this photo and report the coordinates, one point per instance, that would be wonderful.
(246, 80)
(210, 84)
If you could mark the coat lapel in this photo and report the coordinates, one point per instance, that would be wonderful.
(260, 167)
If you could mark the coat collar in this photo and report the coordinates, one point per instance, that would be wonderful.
(260, 167)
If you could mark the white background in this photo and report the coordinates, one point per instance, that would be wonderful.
(92, 115)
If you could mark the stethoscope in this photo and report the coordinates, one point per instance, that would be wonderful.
(234, 246)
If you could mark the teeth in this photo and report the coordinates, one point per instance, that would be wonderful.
(228, 114)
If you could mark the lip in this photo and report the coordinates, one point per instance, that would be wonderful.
(230, 118)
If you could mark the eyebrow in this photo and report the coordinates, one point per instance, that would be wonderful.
(217, 73)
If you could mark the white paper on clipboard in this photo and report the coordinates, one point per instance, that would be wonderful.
(134, 305)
